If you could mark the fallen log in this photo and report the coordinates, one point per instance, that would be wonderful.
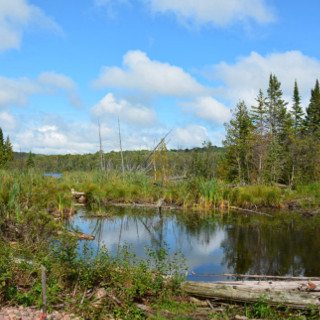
(295, 294)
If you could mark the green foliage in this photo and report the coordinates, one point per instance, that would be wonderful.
(30, 161)
(6, 152)
(124, 276)
(313, 110)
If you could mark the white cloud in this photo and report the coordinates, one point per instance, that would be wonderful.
(7, 121)
(57, 80)
(53, 80)
(137, 115)
(149, 76)
(189, 136)
(15, 15)
(209, 109)
(217, 12)
(53, 136)
(244, 79)
(16, 92)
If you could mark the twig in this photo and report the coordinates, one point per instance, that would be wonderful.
(210, 305)
(84, 293)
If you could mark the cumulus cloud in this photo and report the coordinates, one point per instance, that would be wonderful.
(110, 107)
(189, 136)
(149, 76)
(53, 81)
(52, 135)
(243, 79)
(7, 121)
(216, 12)
(209, 109)
(16, 92)
(15, 15)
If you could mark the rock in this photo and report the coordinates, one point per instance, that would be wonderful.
(82, 199)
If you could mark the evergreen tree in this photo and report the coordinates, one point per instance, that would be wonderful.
(2, 151)
(278, 120)
(297, 112)
(30, 161)
(294, 150)
(311, 163)
(8, 150)
(313, 110)
(260, 134)
(276, 107)
(238, 143)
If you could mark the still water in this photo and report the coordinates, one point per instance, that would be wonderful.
(212, 243)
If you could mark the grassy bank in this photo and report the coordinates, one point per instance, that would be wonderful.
(21, 191)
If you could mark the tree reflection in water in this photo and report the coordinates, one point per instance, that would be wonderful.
(235, 243)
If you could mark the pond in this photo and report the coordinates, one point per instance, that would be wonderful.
(213, 243)
(53, 175)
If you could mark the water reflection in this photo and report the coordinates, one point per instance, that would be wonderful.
(213, 243)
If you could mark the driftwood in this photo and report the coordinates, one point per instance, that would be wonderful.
(295, 294)
(256, 276)
(251, 211)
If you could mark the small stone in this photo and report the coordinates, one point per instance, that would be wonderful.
(240, 317)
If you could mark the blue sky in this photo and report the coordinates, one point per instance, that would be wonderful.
(158, 65)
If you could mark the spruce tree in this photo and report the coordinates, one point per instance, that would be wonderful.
(8, 150)
(313, 110)
(30, 161)
(297, 112)
(278, 120)
(238, 143)
(2, 151)
(311, 167)
(260, 134)
(295, 147)
(276, 107)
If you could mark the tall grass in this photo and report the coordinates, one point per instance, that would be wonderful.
(24, 190)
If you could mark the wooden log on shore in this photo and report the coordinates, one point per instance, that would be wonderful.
(295, 294)
(256, 276)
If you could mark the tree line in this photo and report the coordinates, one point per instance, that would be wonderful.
(271, 143)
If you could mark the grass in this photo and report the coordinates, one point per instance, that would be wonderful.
(30, 189)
